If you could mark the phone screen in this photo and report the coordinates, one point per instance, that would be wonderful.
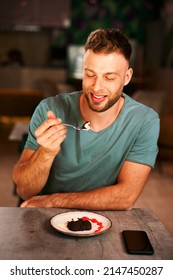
(137, 242)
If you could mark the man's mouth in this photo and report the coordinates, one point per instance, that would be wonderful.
(98, 98)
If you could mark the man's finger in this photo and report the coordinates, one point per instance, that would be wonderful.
(23, 204)
(51, 115)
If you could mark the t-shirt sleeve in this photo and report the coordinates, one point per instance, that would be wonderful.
(145, 147)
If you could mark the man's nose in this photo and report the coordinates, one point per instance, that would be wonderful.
(98, 84)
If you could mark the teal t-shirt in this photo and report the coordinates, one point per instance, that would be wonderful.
(88, 159)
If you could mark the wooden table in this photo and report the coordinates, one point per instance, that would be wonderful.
(26, 233)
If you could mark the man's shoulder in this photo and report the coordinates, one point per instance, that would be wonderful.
(139, 108)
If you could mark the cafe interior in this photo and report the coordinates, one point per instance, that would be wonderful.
(41, 48)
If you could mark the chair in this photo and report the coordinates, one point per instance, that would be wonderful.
(152, 98)
(155, 100)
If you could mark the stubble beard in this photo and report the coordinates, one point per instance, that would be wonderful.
(97, 108)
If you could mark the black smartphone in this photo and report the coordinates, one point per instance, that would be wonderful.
(137, 242)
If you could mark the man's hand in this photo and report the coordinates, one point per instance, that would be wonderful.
(37, 201)
(51, 133)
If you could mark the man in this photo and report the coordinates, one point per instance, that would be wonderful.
(100, 169)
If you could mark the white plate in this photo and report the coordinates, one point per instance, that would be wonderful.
(99, 223)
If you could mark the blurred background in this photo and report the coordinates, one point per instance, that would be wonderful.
(41, 48)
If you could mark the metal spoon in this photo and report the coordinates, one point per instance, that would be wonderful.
(86, 126)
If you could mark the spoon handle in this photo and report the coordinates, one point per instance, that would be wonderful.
(77, 128)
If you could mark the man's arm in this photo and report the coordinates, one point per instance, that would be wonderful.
(122, 196)
(32, 170)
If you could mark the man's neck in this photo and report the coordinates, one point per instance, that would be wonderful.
(100, 120)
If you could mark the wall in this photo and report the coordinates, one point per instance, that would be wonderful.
(27, 78)
(34, 46)
(21, 89)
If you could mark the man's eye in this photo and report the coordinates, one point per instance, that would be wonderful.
(109, 78)
(89, 75)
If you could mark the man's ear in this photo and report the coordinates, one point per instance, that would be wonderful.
(128, 76)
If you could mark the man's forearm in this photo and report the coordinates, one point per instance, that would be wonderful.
(30, 176)
(120, 196)
(105, 198)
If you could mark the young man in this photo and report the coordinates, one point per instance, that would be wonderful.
(105, 167)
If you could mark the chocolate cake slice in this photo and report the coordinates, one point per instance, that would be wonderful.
(79, 225)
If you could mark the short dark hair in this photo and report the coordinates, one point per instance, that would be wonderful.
(108, 41)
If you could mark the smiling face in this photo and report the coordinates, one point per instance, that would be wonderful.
(105, 75)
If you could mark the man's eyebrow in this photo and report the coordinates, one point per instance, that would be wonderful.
(111, 73)
(107, 73)
(88, 69)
